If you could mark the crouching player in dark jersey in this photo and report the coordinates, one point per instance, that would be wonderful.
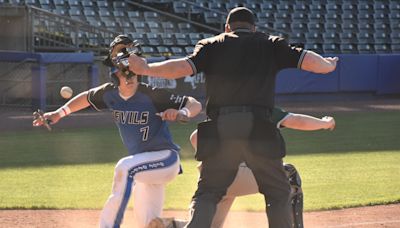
(245, 183)
(140, 113)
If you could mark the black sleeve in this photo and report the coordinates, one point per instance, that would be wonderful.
(287, 56)
(164, 99)
(198, 59)
(96, 96)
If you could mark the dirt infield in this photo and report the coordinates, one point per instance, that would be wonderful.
(387, 216)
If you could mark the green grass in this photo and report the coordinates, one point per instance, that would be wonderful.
(357, 164)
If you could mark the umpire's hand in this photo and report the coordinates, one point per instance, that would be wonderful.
(138, 65)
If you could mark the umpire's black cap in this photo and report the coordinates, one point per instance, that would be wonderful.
(240, 14)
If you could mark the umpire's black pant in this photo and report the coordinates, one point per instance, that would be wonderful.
(219, 171)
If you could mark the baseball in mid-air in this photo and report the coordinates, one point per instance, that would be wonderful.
(66, 92)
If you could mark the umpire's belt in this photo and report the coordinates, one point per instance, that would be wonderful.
(257, 110)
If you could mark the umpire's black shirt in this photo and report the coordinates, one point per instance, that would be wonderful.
(240, 67)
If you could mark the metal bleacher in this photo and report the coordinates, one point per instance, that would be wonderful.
(171, 27)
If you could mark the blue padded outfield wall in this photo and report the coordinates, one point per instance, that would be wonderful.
(379, 74)
(374, 73)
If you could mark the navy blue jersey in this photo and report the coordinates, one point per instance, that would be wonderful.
(140, 128)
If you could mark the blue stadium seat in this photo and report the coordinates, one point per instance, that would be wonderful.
(382, 48)
(395, 37)
(177, 51)
(395, 48)
(147, 50)
(151, 16)
(119, 5)
(185, 27)
(381, 17)
(282, 26)
(212, 18)
(299, 16)
(316, 27)
(348, 48)
(333, 27)
(181, 39)
(348, 17)
(285, 7)
(331, 37)
(333, 7)
(316, 17)
(331, 48)
(59, 2)
(168, 39)
(61, 12)
(140, 26)
(297, 38)
(194, 38)
(382, 27)
(299, 27)
(394, 6)
(283, 17)
(365, 48)
(265, 17)
(168, 27)
(348, 37)
(180, 7)
(189, 50)
(352, 27)
(349, 7)
(140, 37)
(366, 27)
(314, 37)
(154, 39)
(154, 27)
(317, 47)
(163, 50)
(333, 17)
(267, 7)
(88, 3)
(365, 37)
(100, 4)
(317, 7)
(134, 16)
(73, 3)
(301, 7)
(381, 7)
(382, 37)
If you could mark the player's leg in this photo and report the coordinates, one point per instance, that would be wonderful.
(149, 193)
(163, 166)
(148, 200)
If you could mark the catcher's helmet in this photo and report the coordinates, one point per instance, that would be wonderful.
(120, 49)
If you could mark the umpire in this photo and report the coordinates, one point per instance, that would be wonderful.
(240, 66)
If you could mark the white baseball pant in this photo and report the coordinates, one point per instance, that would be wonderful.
(146, 174)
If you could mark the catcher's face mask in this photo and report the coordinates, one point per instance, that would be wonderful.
(120, 50)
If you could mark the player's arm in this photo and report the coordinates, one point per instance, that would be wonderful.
(308, 123)
(191, 109)
(77, 103)
(315, 63)
(169, 69)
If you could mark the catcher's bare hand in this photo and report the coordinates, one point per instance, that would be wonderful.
(330, 122)
(50, 117)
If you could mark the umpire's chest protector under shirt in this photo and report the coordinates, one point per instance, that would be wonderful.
(240, 67)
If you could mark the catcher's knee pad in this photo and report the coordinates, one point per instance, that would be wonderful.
(296, 195)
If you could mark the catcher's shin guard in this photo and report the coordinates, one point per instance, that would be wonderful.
(296, 195)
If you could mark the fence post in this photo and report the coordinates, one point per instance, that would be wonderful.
(39, 80)
(94, 76)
